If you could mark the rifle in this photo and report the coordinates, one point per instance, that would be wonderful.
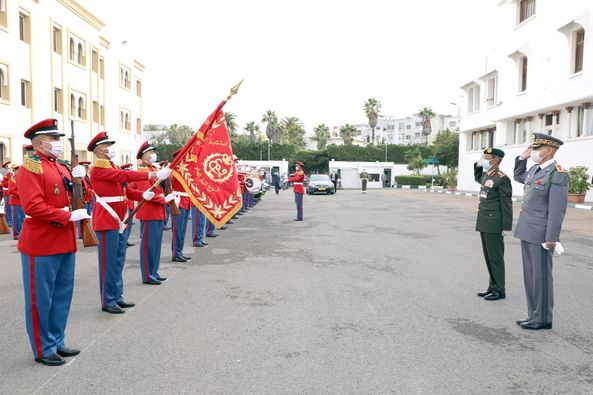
(89, 239)
(167, 188)
(4, 229)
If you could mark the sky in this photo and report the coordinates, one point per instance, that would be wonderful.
(315, 60)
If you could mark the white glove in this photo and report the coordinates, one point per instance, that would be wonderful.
(172, 196)
(78, 171)
(147, 195)
(506, 233)
(164, 173)
(79, 214)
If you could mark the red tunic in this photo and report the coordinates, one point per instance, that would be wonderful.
(43, 194)
(297, 181)
(88, 190)
(107, 182)
(153, 210)
(5, 180)
(13, 191)
(241, 177)
(184, 203)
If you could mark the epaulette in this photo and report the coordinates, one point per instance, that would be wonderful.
(142, 168)
(12, 179)
(64, 162)
(102, 163)
(559, 169)
(301, 172)
(33, 164)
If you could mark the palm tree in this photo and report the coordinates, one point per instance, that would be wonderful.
(253, 129)
(272, 128)
(348, 132)
(231, 122)
(426, 114)
(321, 135)
(293, 131)
(372, 109)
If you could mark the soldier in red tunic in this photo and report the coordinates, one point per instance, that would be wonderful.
(131, 205)
(109, 213)
(18, 216)
(48, 242)
(6, 176)
(299, 190)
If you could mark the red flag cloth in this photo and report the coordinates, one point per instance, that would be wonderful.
(206, 170)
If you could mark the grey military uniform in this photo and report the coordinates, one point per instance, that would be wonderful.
(544, 206)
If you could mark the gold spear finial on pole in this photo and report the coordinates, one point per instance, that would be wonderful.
(234, 90)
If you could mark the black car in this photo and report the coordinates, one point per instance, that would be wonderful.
(320, 183)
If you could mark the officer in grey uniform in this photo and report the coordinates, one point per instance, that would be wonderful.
(495, 217)
(544, 206)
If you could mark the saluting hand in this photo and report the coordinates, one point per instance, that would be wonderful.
(526, 154)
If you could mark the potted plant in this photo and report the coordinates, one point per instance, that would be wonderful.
(451, 179)
(578, 184)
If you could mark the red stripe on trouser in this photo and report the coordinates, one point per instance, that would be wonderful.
(34, 313)
(103, 269)
(145, 242)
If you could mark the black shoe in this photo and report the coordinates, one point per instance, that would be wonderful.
(495, 295)
(68, 352)
(482, 294)
(535, 325)
(124, 305)
(224, 227)
(185, 257)
(161, 279)
(115, 309)
(166, 228)
(178, 259)
(297, 219)
(230, 222)
(214, 235)
(152, 282)
(521, 322)
(200, 244)
(52, 360)
(130, 244)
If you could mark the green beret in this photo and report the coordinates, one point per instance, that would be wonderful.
(495, 152)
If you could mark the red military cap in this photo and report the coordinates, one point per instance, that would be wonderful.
(143, 149)
(127, 166)
(300, 163)
(47, 127)
(28, 147)
(100, 138)
(5, 164)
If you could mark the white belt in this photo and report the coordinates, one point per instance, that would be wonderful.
(5, 189)
(183, 194)
(63, 209)
(103, 202)
(297, 183)
(114, 199)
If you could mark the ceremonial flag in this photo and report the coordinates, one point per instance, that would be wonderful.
(206, 170)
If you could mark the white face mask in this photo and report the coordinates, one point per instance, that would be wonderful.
(536, 156)
(57, 148)
(153, 158)
(111, 153)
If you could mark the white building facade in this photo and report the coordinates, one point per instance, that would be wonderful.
(539, 78)
(57, 62)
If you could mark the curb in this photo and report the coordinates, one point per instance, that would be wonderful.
(475, 194)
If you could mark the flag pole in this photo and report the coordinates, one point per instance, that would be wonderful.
(184, 150)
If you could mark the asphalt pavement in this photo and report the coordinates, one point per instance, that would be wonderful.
(372, 293)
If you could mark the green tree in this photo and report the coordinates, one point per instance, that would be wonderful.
(253, 129)
(174, 135)
(427, 115)
(293, 131)
(231, 122)
(372, 109)
(321, 135)
(272, 128)
(446, 148)
(415, 161)
(347, 132)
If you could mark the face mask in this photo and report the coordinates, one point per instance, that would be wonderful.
(153, 158)
(486, 164)
(111, 152)
(536, 156)
(57, 148)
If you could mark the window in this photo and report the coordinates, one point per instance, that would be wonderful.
(4, 92)
(125, 120)
(58, 101)
(96, 114)
(452, 124)
(482, 139)
(491, 92)
(79, 54)
(3, 14)
(579, 50)
(138, 126)
(57, 40)
(522, 131)
(72, 49)
(418, 124)
(523, 74)
(95, 61)
(408, 127)
(102, 123)
(473, 99)
(26, 99)
(139, 88)
(526, 9)
(125, 77)
(80, 105)
(24, 27)
(72, 106)
(101, 68)
(584, 120)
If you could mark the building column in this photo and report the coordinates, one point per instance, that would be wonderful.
(556, 122)
(569, 112)
(542, 123)
(586, 116)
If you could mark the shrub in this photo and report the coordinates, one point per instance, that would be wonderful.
(410, 180)
(438, 180)
(579, 180)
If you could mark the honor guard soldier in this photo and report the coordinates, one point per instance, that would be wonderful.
(298, 180)
(131, 205)
(179, 222)
(48, 242)
(109, 213)
(18, 215)
(7, 175)
(495, 216)
(542, 213)
(151, 216)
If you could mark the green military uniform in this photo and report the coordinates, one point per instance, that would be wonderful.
(364, 177)
(495, 215)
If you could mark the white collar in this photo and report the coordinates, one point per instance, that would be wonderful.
(547, 163)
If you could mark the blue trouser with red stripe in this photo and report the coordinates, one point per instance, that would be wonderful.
(7, 209)
(179, 227)
(18, 216)
(128, 230)
(112, 256)
(210, 228)
(48, 283)
(151, 236)
(198, 225)
(298, 199)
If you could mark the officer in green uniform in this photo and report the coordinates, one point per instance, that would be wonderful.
(364, 177)
(495, 216)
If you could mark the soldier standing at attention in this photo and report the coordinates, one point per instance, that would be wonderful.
(364, 177)
(495, 217)
(18, 215)
(544, 206)
(5, 195)
(299, 190)
(48, 243)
